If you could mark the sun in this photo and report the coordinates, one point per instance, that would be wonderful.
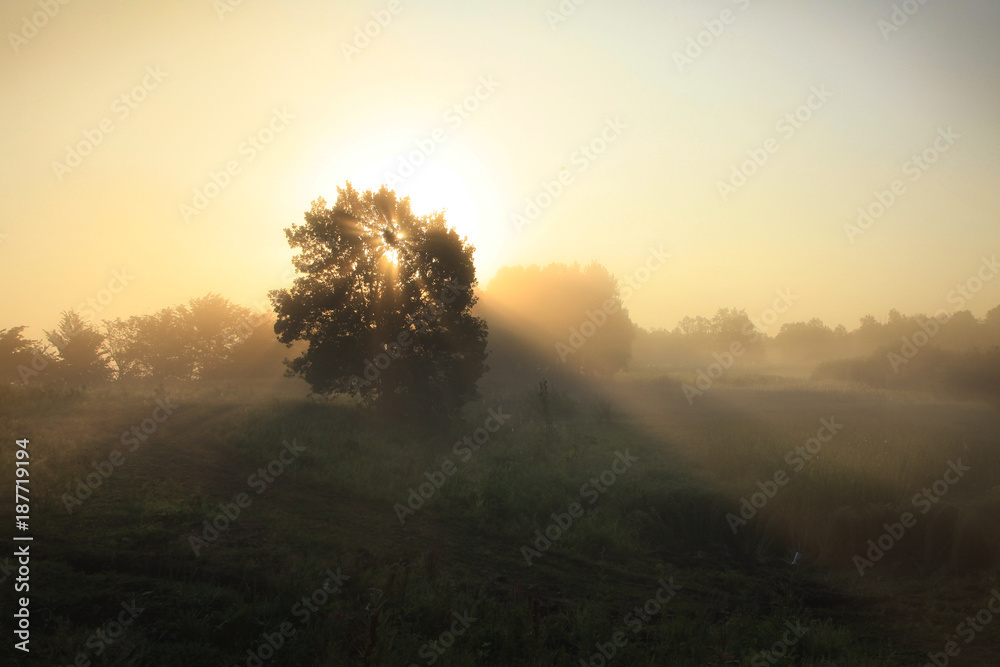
(456, 180)
(469, 194)
(436, 187)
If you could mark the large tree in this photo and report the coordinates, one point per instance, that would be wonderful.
(383, 299)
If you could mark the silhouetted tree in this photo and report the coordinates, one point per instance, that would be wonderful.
(162, 345)
(212, 323)
(992, 326)
(187, 342)
(961, 332)
(809, 341)
(254, 352)
(993, 318)
(869, 336)
(82, 356)
(695, 326)
(120, 340)
(16, 352)
(731, 325)
(383, 298)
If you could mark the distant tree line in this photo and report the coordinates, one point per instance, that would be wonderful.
(207, 339)
(812, 342)
(954, 352)
(551, 321)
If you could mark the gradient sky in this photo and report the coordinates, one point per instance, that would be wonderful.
(556, 86)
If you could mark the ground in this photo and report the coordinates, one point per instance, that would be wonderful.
(328, 549)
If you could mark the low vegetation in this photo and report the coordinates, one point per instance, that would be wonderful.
(388, 591)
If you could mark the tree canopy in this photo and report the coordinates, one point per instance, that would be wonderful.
(203, 339)
(383, 298)
(82, 355)
(16, 353)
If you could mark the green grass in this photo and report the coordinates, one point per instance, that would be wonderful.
(332, 509)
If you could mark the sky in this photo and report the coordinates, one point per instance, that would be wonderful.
(154, 152)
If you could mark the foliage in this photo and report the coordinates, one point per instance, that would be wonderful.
(953, 340)
(383, 298)
(82, 356)
(200, 340)
(16, 352)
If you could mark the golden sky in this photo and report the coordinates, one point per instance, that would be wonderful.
(155, 151)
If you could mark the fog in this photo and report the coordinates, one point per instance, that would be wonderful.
(536, 333)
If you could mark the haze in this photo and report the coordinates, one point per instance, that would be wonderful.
(546, 87)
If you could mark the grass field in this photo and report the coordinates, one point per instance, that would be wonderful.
(368, 543)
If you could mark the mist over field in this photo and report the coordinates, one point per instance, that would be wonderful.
(544, 333)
